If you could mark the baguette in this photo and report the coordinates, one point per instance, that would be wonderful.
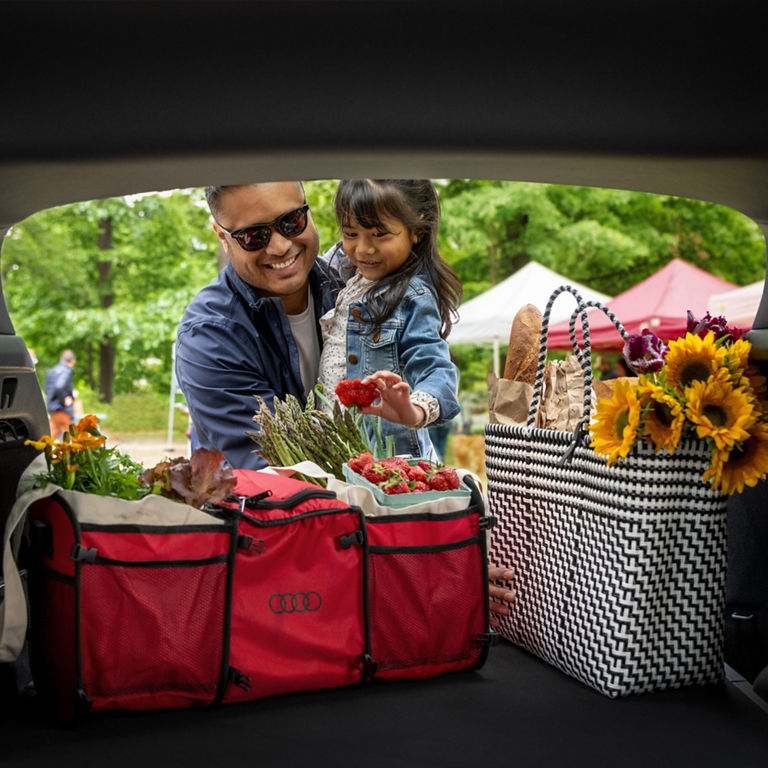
(523, 349)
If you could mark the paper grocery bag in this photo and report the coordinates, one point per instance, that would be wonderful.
(508, 401)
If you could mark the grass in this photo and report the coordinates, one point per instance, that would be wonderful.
(135, 414)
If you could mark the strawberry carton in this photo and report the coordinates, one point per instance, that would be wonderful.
(398, 482)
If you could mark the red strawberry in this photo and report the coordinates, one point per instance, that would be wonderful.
(396, 463)
(398, 487)
(354, 392)
(444, 479)
(426, 466)
(375, 473)
(417, 473)
(359, 463)
(419, 487)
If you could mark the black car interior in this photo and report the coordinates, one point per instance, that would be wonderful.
(104, 99)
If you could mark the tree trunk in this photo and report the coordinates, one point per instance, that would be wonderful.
(89, 363)
(493, 263)
(106, 299)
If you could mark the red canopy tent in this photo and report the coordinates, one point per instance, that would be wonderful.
(659, 303)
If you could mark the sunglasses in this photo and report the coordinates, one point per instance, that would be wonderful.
(257, 236)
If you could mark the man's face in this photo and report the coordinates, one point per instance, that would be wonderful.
(282, 266)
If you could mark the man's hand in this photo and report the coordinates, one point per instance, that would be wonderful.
(395, 404)
(500, 597)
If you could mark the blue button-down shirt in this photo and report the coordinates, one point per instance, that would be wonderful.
(233, 344)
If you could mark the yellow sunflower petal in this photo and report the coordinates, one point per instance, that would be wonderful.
(720, 412)
(664, 420)
(615, 427)
(746, 464)
(692, 359)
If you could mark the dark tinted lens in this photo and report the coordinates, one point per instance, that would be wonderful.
(253, 238)
(293, 223)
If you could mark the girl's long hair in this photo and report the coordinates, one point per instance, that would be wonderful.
(415, 203)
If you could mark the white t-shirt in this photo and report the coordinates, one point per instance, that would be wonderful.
(304, 332)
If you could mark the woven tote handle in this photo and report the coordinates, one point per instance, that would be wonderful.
(584, 356)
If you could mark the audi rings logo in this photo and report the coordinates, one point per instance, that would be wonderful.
(295, 602)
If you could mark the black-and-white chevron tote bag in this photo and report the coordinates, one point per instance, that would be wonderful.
(620, 570)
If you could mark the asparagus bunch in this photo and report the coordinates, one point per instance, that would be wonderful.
(290, 434)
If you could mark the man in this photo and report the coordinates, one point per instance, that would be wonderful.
(59, 394)
(254, 330)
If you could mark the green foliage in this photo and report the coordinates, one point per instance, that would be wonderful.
(320, 195)
(606, 239)
(163, 251)
(82, 462)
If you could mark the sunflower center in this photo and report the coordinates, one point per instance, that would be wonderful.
(716, 415)
(740, 454)
(696, 370)
(663, 413)
(621, 422)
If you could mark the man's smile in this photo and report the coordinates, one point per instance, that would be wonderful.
(283, 264)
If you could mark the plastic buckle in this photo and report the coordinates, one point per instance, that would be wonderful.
(251, 544)
(348, 540)
(81, 554)
(487, 522)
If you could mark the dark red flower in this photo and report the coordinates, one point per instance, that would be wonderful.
(718, 325)
(644, 352)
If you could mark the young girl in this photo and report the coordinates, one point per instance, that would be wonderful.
(391, 320)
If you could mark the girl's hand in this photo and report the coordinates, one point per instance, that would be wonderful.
(395, 404)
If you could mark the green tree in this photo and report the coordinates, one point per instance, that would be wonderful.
(320, 196)
(110, 275)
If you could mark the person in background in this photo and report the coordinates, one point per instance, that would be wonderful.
(59, 394)
(390, 321)
(604, 369)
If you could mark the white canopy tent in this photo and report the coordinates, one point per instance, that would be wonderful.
(488, 317)
(738, 306)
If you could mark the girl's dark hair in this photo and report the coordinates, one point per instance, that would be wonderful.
(416, 204)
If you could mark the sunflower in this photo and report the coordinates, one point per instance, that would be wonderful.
(737, 354)
(692, 359)
(755, 381)
(744, 464)
(664, 415)
(720, 411)
(616, 423)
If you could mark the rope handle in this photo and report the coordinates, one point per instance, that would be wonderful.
(584, 356)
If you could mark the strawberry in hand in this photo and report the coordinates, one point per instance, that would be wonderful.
(354, 392)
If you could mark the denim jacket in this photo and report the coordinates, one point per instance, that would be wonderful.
(233, 344)
(408, 344)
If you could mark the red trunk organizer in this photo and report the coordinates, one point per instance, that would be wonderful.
(285, 589)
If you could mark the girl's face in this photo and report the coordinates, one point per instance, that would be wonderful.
(377, 252)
